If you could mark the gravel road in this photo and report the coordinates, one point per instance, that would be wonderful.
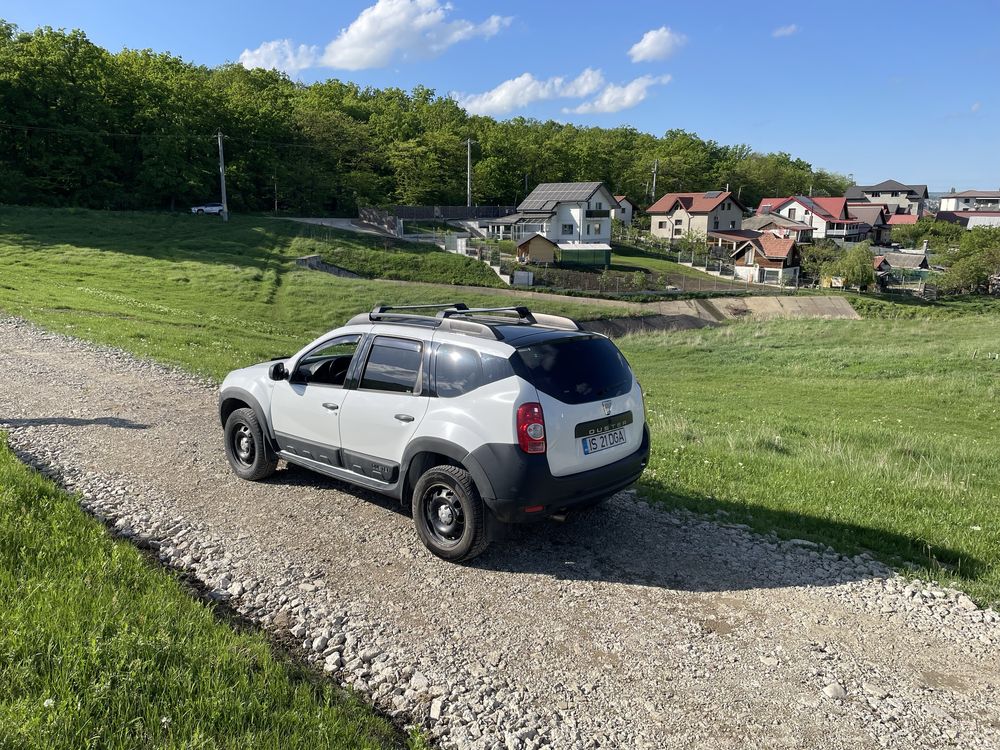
(627, 627)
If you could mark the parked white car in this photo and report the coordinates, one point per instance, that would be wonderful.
(208, 208)
(467, 415)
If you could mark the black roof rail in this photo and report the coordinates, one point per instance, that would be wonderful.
(379, 310)
(523, 313)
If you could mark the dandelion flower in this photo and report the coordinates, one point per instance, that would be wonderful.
(49, 703)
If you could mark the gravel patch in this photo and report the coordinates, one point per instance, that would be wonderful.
(626, 627)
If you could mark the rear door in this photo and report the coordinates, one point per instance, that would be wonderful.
(378, 419)
(590, 400)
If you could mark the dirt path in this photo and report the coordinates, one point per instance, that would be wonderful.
(628, 627)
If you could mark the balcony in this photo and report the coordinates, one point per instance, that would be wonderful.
(597, 213)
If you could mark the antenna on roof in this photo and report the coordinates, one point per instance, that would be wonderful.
(727, 187)
(810, 191)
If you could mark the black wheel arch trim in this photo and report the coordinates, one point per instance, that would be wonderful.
(456, 453)
(239, 394)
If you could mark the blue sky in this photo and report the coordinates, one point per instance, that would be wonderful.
(877, 90)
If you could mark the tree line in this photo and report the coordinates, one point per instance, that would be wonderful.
(136, 129)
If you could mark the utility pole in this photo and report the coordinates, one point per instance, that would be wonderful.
(656, 166)
(222, 180)
(275, 178)
(468, 172)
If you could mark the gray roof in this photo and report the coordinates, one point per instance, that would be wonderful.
(522, 217)
(906, 260)
(547, 195)
(858, 191)
(759, 221)
(869, 213)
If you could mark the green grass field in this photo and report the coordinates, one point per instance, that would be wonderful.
(631, 258)
(193, 291)
(101, 649)
(875, 434)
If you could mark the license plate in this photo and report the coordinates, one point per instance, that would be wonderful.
(603, 441)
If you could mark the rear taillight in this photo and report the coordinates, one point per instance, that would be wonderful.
(531, 428)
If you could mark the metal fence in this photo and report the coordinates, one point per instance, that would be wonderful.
(446, 213)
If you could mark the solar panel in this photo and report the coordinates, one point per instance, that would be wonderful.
(713, 193)
(547, 194)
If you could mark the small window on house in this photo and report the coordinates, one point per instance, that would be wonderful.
(588, 229)
(599, 205)
(677, 222)
(876, 194)
(791, 214)
(567, 229)
(894, 194)
(715, 223)
(662, 225)
(808, 213)
(732, 225)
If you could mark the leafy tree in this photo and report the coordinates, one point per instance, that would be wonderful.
(855, 267)
(818, 255)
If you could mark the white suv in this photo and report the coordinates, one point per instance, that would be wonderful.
(462, 415)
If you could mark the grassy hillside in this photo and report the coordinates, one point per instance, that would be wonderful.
(863, 434)
(879, 433)
(196, 292)
(102, 649)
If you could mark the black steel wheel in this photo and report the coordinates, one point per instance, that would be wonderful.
(246, 450)
(449, 515)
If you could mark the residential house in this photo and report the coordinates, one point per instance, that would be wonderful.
(897, 268)
(537, 249)
(767, 260)
(900, 198)
(971, 200)
(828, 217)
(900, 220)
(565, 212)
(625, 210)
(779, 226)
(970, 219)
(677, 214)
(876, 216)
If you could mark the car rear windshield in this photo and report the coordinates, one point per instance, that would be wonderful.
(575, 370)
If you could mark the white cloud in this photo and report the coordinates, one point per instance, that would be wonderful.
(976, 106)
(388, 31)
(403, 29)
(617, 97)
(280, 54)
(525, 89)
(785, 31)
(657, 44)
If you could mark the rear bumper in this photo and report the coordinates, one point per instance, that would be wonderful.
(522, 481)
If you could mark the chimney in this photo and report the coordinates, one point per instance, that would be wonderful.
(766, 208)
(926, 243)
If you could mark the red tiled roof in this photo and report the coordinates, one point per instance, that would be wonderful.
(622, 198)
(693, 203)
(897, 219)
(836, 207)
(775, 204)
(879, 259)
(775, 247)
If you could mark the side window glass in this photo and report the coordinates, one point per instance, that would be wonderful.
(393, 365)
(457, 371)
(328, 363)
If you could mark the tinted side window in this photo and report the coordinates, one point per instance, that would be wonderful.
(459, 370)
(575, 370)
(393, 365)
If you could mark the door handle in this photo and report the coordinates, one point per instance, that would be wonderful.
(331, 407)
(404, 417)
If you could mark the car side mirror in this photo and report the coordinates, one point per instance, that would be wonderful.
(278, 371)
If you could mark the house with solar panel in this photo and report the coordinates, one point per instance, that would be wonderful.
(829, 217)
(573, 215)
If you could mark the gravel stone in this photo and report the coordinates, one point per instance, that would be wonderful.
(628, 626)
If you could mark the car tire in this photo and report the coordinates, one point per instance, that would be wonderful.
(246, 449)
(449, 514)
(201, 211)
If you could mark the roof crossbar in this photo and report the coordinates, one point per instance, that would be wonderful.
(379, 310)
(523, 313)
